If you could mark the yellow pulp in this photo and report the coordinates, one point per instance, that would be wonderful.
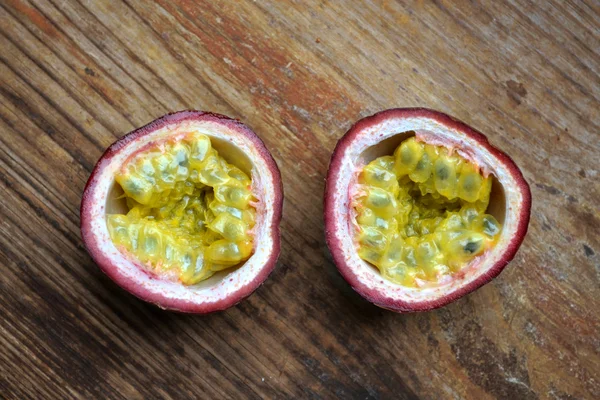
(189, 210)
(421, 213)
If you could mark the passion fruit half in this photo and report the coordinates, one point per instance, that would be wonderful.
(420, 209)
(184, 212)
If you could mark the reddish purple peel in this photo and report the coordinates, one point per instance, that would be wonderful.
(333, 225)
(149, 293)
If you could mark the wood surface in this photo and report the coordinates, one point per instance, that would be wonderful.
(77, 75)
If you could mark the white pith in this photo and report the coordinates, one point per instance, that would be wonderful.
(360, 151)
(222, 284)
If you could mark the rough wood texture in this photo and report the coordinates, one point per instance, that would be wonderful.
(76, 75)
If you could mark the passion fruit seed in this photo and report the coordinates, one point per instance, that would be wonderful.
(189, 210)
(421, 213)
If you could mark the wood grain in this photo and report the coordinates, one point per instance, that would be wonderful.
(76, 75)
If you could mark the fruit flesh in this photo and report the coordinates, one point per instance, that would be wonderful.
(190, 212)
(420, 214)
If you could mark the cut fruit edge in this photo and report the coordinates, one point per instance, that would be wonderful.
(359, 145)
(222, 290)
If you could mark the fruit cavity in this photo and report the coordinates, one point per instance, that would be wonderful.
(420, 214)
(190, 212)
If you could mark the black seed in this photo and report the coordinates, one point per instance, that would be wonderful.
(380, 201)
(471, 247)
(133, 187)
(469, 183)
(489, 228)
(379, 175)
(406, 156)
(443, 173)
(398, 272)
(471, 214)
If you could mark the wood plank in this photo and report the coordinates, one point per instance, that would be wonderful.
(75, 75)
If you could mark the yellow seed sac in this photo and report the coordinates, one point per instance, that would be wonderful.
(469, 183)
(380, 176)
(195, 268)
(228, 253)
(424, 168)
(233, 196)
(421, 214)
(445, 176)
(393, 253)
(369, 255)
(407, 156)
(230, 227)
(382, 202)
(189, 210)
(212, 172)
(139, 188)
(199, 149)
(373, 238)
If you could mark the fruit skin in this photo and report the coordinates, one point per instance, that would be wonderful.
(152, 292)
(375, 290)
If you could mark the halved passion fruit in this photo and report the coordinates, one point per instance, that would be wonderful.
(420, 209)
(184, 212)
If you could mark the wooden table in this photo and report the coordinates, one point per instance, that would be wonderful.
(76, 75)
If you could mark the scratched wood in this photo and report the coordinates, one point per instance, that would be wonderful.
(76, 75)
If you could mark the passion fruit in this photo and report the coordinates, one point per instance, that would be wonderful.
(420, 209)
(184, 212)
